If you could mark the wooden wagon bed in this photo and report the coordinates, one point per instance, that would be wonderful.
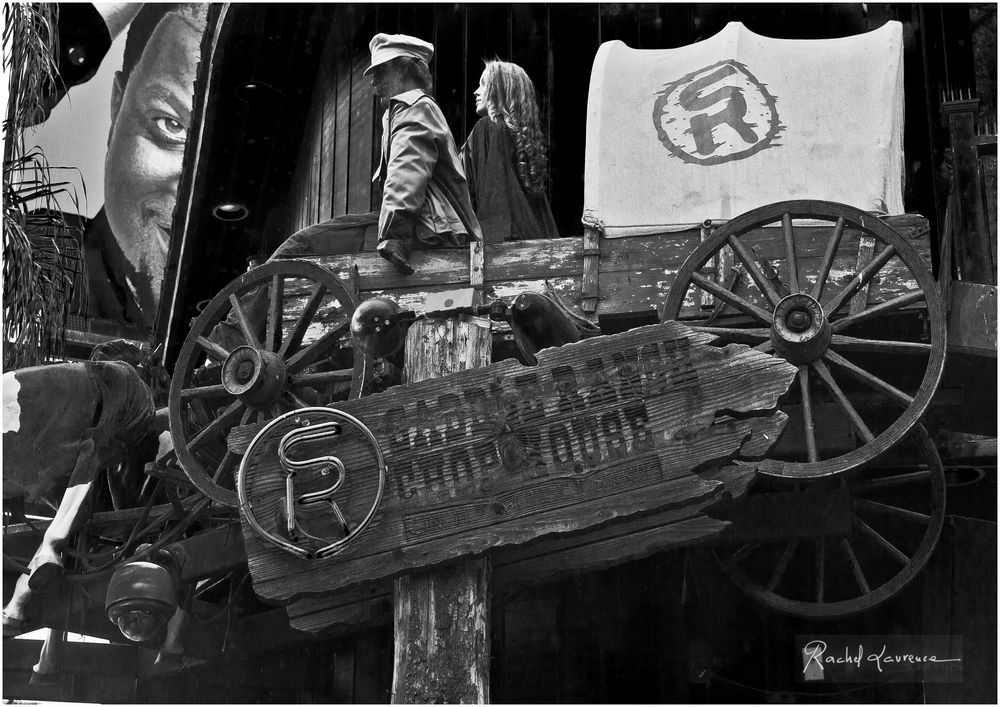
(604, 278)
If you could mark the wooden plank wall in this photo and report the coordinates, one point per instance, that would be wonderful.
(338, 152)
(988, 177)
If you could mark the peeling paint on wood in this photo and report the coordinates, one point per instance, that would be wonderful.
(635, 273)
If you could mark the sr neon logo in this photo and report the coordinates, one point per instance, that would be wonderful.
(716, 114)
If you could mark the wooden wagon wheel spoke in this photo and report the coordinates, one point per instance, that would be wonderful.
(845, 404)
(241, 316)
(779, 571)
(220, 424)
(743, 552)
(254, 379)
(867, 486)
(850, 343)
(311, 379)
(746, 257)
(896, 511)
(205, 391)
(248, 414)
(879, 540)
(198, 412)
(869, 379)
(869, 566)
(296, 400)
(312, 353)
(828, 256)
(878, 310)
(289, 345)
(790, 255)
(862, 278)
(741, 336)
(820, 569)
(274, 311)
(227, 464)
(213, 349)
(856, 571)
(730, 297)
(807, 414)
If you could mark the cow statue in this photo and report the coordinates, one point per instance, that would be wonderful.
(62, 425)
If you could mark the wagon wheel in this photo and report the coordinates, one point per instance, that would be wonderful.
(817, 316)
(275, 339)
(895, 519)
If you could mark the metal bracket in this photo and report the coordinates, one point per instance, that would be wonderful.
(770, 272)
(589, 284)
(477, 267)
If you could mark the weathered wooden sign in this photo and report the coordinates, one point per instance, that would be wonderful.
(602, 429)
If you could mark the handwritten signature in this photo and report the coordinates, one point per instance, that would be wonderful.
(815, 654)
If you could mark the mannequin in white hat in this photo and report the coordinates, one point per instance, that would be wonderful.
(425, 196)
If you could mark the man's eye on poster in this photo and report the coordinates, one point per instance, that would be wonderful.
(121, 129)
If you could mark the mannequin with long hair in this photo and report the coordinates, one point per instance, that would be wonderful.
(504, 156)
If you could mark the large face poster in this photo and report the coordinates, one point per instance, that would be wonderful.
(121, 137)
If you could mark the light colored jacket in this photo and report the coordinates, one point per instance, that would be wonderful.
(424, 190)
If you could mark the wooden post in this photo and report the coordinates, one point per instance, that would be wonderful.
(441, 616)
(972, 242)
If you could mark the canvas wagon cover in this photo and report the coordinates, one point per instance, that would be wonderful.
(737, 121)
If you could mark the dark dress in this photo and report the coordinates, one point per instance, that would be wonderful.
(505, 210)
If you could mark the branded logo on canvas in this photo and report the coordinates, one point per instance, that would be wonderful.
(717, 114)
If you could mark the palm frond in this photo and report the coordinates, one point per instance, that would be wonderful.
(42, 247)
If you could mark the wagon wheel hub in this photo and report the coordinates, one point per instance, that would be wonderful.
(800, 331)
(255, 376)
(254, 335)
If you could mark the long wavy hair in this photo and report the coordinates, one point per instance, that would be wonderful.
(511, 103)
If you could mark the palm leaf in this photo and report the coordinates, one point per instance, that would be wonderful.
(42, 252)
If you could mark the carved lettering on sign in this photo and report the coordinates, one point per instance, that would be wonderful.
(634, 473)
(601, 429)
(569, 419)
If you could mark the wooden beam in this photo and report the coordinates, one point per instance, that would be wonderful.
(976, 254)
(213, 552)
(104, 519)
(972, 324)
(634, 273)
(441, 616)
